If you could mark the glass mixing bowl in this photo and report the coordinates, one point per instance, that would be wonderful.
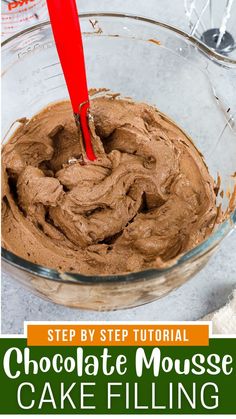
(151, 62)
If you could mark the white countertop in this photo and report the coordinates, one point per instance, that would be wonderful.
(207, 291)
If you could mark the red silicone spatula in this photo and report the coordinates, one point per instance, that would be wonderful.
(67, 34)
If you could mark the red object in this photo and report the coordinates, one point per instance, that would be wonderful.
(67, 34)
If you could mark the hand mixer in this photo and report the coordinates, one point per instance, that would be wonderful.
(67, 35)
(211, 21)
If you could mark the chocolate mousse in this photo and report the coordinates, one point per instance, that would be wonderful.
(147, 198)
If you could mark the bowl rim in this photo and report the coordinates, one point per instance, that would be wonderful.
(204, 48)
(205, 247)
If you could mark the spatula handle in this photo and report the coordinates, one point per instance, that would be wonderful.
(68, 39)
(67, 35)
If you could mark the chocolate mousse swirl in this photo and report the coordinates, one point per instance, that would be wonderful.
(146, 199)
